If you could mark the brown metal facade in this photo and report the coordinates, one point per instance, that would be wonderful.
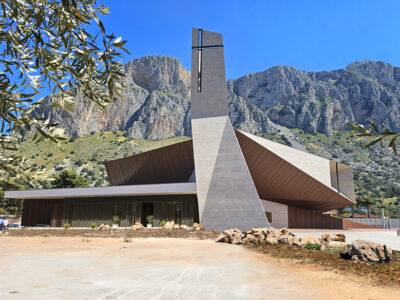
(173, 163)
(279, 181)
(302, 218)
(36, 211)
(83, 212)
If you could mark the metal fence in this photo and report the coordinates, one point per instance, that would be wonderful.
(379, 223)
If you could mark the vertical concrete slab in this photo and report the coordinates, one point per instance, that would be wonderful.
(226, 193)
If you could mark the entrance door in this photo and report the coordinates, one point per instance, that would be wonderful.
(147, 210)
(133, 213)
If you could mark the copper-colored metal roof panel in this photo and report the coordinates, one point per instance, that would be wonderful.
(173, 163)
(278, 180)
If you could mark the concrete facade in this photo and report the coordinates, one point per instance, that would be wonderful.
(279, 213)
(226, 194)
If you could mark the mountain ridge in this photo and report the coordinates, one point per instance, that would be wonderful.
(157, 100)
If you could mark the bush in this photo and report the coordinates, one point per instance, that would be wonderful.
(93, 225)
(69, 179)
(67, 225)
(150, 219)
(163, 222)
(115, 220)
(72, 152)
(50, 154)
(79, 163)
(313, 247)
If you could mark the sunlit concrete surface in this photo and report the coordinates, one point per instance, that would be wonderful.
(384, 236)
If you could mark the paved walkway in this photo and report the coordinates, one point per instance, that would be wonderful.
(74, 268)
(387, 237)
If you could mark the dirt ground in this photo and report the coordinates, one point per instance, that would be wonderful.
(104, 268)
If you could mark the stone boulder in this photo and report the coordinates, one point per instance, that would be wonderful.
(169, 225)
(250, 239)
(176, 226)
(333, 245)
(338, 237)
(235, 236)
(222, 238)
(361, 250)
(183, 226)
(272, 239)
(101, 226)
(198, 227)
(310, 239)
(106, 227)
(137, 226)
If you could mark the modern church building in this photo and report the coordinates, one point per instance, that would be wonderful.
(222, 177)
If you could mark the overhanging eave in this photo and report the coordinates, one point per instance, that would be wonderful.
(106, 191)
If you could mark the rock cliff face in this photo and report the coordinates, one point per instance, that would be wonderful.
(157, 104)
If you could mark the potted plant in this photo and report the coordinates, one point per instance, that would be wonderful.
(150, 220)
(115, 221)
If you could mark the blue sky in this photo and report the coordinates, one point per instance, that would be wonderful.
(310, 35)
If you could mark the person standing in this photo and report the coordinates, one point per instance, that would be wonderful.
(5, 224)
(1, 224)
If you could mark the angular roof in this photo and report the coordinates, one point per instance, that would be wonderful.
(173, 163)
(290, 176)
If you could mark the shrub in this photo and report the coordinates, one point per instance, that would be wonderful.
(69, 179)
(150, 219)
(313, 247)
(79, 163)
(67, 225)
(163, 222)
(93, 225)
(50, 154)
(72, 152)
(115, 220)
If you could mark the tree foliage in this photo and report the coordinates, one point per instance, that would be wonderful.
(373, 135)
(69, 179)
(56, 46)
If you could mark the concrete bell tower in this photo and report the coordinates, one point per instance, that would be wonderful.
(226, 194)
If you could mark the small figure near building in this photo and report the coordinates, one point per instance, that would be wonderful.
(3, 225)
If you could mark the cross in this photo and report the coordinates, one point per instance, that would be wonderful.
(200, 48)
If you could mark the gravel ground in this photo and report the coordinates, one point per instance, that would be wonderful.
(104, 268)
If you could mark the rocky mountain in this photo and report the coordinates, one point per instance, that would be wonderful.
(157, 104)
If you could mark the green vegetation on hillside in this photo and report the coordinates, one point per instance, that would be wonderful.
(86, 155)
(376, 170)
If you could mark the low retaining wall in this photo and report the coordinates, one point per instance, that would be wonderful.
(379, 223)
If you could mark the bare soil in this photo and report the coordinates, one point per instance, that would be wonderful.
(164, 268)
(377, 274)
(115, 233)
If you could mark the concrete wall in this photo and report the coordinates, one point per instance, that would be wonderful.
(279, 213)
(226, 193)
